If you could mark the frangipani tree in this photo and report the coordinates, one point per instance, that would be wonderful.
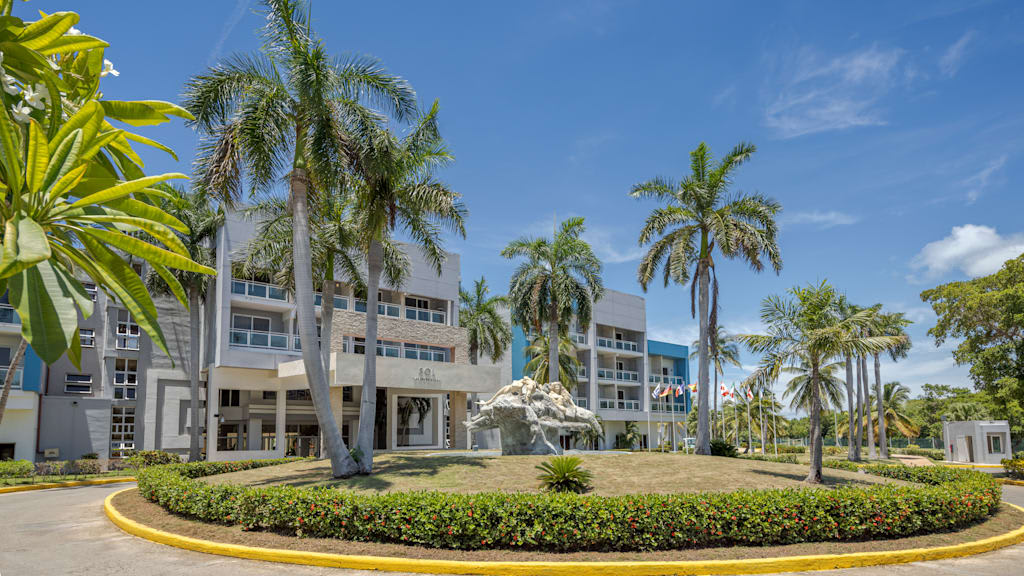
(808, 327)
(75, 198)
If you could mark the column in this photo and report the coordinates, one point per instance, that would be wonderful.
(255, 436)
(212, 420)
(280, 414)
(457, 419)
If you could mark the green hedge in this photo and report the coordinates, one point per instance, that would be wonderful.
(570, 522)
(785, 449)
(782, 458)
(16, 468)
(1014, 468)
(931, 453)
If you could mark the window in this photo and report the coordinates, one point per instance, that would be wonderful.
(127, 331)
(664, 371)
(122, 431)
(90, 289)
(346, 394)
(417, 302)
(254, 331)
(126, 378)
(270, 395)
(78, 383)
(87, 337)
(299, 395)
(995, 443)
(5, 356)
(230, 398)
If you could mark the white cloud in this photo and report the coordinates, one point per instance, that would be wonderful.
(953, 57)
(585, 148)
(978, 182)
(241, 7)
(821, 219)
(727, 96)
(972, 249)
(814, 94)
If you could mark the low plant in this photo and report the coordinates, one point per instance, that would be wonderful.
(1014, 468)
(564, 474)
(90, 456)
(932, 453)
(720, 447)
(833, 450)
(16, 468)
(786, 449)
(782, 458)
(942, 499)
(144, 458)
(87, 466)
(841, 465)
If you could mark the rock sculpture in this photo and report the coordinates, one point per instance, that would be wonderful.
(531, 416)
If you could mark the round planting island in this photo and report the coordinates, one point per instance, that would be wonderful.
(646, 514)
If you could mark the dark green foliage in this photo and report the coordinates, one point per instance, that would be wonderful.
(143, 458)
(1014, 468)
(16, 468)
(561, 522)
(564, 474)
(791, 449)
(841, 465)
(932, 453)
(90, 456)
(725, 448)
(782, 458)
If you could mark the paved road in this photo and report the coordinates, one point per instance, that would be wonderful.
(65, 532)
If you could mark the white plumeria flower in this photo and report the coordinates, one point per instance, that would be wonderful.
(108, 68)
(34, 97)
(1, 58)
(9, 84)
(21, 112)
(74, 31)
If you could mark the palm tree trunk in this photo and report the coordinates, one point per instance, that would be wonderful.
(327, 315)
(9, 379)
(872, 454)
(703, 425)
(853, 449)
(714, 409)
(368, 396)
(860, 406)
(194, 448)
(750, 431)
(473, 352)
(342, 464)
(882, 446)
(814, 476)
(553, 343)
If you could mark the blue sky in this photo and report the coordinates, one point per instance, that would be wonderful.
(891, 133)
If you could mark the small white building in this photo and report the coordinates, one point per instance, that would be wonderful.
(977, 441)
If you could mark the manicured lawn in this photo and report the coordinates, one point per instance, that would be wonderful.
(62, 478)
(614, 473)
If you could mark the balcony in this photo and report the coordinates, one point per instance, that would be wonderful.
(16, 385)
(578, 338)
(272, 341)
(259, 290)
(581, 372)
(628, 405)
(582, 403)
(340, 302)
(670, 380)
(621, 345)
(667, 407)
(605, 374)
(627, 376)
(8, 315)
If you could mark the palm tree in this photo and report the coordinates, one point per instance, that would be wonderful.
(853, 395)
(560, 278)
(486, 328)
(630, 436)
(398, 191)
(894, 400)
(889, 325)
(195, 211)
(799, 387)
(808, 327)
(699, 217)
(286, 111)
(537, 366)
(591, 437)
(724, 351)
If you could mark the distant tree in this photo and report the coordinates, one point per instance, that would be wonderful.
(480, 314)
(723, 351)
(537, 366)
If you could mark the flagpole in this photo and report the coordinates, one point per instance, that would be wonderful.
(750, 429)
(735, 417)
(760, 416)
(775, 435)
(673, 421)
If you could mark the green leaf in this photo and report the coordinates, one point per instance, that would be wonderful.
(89, 118)
(41, 33)
(149, 142)
(133, 207)
(25, 244)
(127, 286)
(49, 319)
(143, 112)
(122, 190)
(157, 230)
(67, 44)
(10, 151)
(172, 283)
(146, 251)
(38, 158)
(61, 162)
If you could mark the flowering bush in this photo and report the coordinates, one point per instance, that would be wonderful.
(1014, 468)
(563, 522)
(143, 458)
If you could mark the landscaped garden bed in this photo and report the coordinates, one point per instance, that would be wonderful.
(939, 499)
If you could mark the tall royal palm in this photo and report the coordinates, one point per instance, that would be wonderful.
(480, 314)
(559, 278)
(398, 191)
(195, 211)
(853, 401)
(724, 351)
(893, 324)
(285, 112)
(699, 216)
(808, 327)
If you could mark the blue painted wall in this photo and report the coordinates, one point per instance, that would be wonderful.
(32, 375)
(680, 363)
(519, 344)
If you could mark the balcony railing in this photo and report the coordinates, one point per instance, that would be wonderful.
(625, 345)
(8, 315)
(259, 290)
(16, 385)
(578, 337)
(627, 376)
(581, 372)
(608, 404)
(264, 340)
(670, 380)
(340, 302)
(605, 374)
(667, 407)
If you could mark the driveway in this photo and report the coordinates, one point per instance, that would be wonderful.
(65, 532)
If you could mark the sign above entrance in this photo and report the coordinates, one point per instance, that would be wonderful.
(427, 379)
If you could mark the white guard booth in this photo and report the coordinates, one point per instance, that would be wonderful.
(977, 441)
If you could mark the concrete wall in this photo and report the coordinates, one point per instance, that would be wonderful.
(349, 323)
(19, 424)
(978, 431)
(621, 310)
(75, 426)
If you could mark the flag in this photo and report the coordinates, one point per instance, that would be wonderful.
(750, 395)
(656, 392)
(666, 391)
(724, 390)
(679, 390)
(693, 388)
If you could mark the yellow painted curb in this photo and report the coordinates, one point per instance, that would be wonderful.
(655, 568)
(69, 484)
(1010, 482)
(972, 465)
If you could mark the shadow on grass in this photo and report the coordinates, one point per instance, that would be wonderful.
(827, 479)
(385, 471)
